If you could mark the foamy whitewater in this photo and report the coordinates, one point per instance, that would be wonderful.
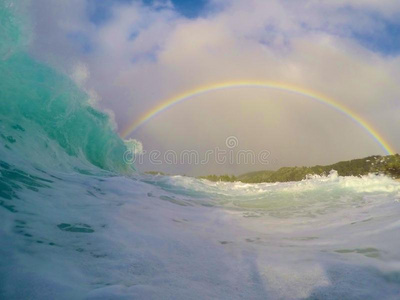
(76, 222)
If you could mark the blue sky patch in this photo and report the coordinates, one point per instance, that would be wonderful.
(385, 40)
(99, 11)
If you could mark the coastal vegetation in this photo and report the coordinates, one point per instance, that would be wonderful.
(387, 165)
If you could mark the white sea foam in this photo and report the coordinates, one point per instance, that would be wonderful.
(155, 237)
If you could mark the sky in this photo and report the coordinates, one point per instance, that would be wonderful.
(129, 56)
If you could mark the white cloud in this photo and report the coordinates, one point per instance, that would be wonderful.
(144, 55)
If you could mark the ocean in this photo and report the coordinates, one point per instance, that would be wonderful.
(77, 222)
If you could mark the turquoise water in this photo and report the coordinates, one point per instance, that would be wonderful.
(44, 110)
(76, 222)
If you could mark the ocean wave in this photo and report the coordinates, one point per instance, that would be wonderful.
(43, 110)
(72, 226)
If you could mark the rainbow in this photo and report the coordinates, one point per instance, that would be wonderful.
(163, 106)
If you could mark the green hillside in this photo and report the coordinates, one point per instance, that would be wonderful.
(388, 165)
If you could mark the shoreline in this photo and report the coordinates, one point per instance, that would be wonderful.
(387, 165)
